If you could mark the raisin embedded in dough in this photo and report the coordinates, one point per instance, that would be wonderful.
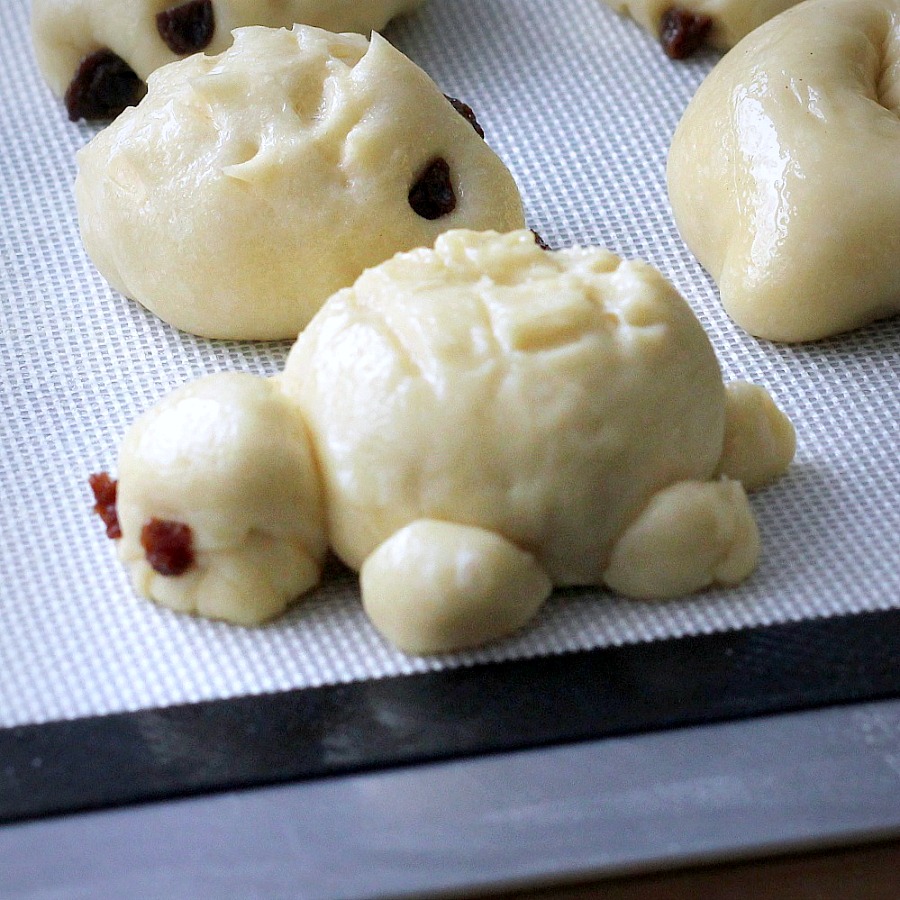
(432, 196)
(682, 33)
(169, 546)
(187, 28)
(105, 489)
(540, 241)
(104, 85)
(684, 26)
(467, 113)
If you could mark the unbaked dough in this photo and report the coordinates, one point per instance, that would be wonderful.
(717, 23)
(229, 457)
(784, 173)
(246, 188)
(143, 33)
(470, 426)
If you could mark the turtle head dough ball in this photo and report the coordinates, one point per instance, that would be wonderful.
(218, 501)
(248, 187)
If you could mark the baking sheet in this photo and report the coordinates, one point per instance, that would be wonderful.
(581, 106)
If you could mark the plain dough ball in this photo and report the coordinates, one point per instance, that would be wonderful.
(247, 188)
(760, 440)
(229, 457)
(435, 587)
(731, 19)
(66, 31)
(690, 536)
(542, 396)
(784, 176)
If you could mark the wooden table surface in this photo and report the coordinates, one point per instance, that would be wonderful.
(870, 872)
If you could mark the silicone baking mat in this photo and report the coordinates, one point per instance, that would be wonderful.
(581, 105)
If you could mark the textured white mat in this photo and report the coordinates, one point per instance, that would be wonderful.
(581, 105)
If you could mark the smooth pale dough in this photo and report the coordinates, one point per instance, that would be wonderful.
(731, 19)
(486, 420)
(229, 457)
(247, 188)
(784, 173)
(66, 31)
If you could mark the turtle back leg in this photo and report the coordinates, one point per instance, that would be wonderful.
(691, 535)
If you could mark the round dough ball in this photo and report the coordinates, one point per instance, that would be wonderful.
(228, 459)
(247, 188)
(125, 40)
(760, 440)
(685, 26)
(783, 173)
(543, 396)
(436, 587)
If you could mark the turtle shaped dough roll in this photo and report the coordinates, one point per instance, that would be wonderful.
(247, 188)
(468, 426)
(685, 26)
(97, 54)
(784, 172)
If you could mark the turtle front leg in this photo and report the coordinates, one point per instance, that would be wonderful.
(436, 587)
(690, 535)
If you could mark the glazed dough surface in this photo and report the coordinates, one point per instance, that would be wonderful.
(65, 31)
(543, 396)
(732, 19)
(783, 173)
(246, 188)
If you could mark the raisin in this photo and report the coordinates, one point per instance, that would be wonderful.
(432, 195)
(540, 241)
(168, 546)
(187, 28)
(102, 87)
(105, 490)
(683, 33)
(467, 113)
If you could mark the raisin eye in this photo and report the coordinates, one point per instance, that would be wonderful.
(540, 241)
(102, 87)
(187, 28)
(432, 195)
(467, 113)
(105, 490)
(168, 546)
(682, 33)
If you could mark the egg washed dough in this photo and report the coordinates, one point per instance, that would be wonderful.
(468, 426)
(247, 188)
(784, 173)
(146, 34)
(718, 23)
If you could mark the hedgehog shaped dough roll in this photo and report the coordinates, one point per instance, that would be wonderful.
(784, 172)
(98, 54)
(685, 26)
(247, 188)
(469, 426)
